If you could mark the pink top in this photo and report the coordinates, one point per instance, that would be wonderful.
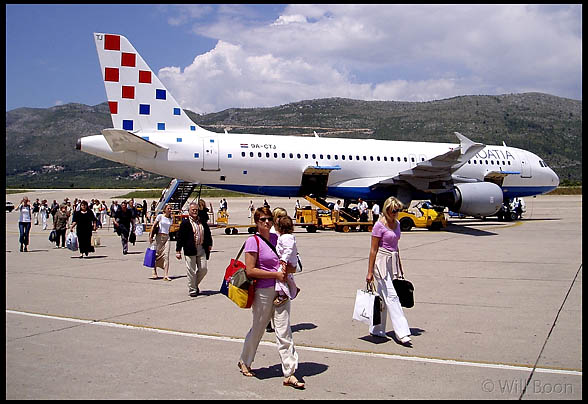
(388, 237)
(267, 258)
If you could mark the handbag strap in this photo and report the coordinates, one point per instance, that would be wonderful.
(267, 242)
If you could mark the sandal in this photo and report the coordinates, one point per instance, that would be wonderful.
(166, 279)
(292, 381)
(245, 370)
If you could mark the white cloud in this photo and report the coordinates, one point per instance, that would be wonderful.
(374, 52)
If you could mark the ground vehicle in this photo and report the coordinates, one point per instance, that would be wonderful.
(9, 206)
(324, 218)
(424, 215)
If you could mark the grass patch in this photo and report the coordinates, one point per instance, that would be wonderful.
(16, 191)
(206, 193)
(566, 191)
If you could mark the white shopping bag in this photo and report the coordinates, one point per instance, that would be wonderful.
(71, 242)
(139, 230)
(365, 303)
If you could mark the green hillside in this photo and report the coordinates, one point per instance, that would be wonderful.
(40, 143)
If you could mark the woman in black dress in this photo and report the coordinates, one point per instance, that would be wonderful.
(85, 221)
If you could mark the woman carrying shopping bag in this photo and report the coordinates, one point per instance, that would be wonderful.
(384, 266)
(161, 228)
(85, 221)
(263, 264)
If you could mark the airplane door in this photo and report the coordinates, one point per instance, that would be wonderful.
(525, 166)
(210, 149)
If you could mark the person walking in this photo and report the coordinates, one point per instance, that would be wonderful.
(36, 208)
(195, 238)
(383, 266)
(122, 225)
(44, 212)
(60, 224)
(85, 221)
(161, 227)
(24, 222)
(262, 263)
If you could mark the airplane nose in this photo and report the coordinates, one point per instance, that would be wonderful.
(555, 179)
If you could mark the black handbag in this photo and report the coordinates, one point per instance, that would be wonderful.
(404, 289)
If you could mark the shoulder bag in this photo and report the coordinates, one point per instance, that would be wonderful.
(404, 288)
(236, 285)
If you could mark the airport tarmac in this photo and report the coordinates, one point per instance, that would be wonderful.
(497, 315)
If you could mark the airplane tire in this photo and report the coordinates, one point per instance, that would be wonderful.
(406, 224)
(227, 231)
(251, 230)
(235, 231)
(311, 229)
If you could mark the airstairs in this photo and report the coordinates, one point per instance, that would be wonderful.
(176, 194)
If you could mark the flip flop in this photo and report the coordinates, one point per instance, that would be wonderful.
(293, 382)
(246, 371)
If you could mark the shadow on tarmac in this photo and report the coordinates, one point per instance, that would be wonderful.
(304, 369)
(452, 228)
(303, 326)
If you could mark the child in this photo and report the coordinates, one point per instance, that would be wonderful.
(287, 252)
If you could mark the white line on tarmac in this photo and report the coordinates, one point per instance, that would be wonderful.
(305, 348)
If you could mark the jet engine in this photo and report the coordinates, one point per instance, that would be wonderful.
(473, 199)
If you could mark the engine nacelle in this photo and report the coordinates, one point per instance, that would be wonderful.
(473, 199)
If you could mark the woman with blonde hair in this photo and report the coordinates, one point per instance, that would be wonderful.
(383, 266)
(162, 224)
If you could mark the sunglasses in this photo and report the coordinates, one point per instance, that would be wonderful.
(266, 219)
(395, 210)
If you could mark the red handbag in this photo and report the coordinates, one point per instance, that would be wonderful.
(234, 266)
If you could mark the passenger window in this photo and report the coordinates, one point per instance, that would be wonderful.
(283, 155)
(267, 155)
(291, 155)
(298, 155)
(321, 156)
(306, 156)
(364, 158)
(357, 157)
(412, 159)
(275, 155)
(342, 157)
(385, 158)
(336, 157)
(242, 154)
(328, 156)
(378, 158)
(250, 154)
(405, 159)
(258, 154)
(314, 156)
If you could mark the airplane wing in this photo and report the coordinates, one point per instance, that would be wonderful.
(121, 140)
(436, 173)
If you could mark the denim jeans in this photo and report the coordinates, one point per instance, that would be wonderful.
(24, 228)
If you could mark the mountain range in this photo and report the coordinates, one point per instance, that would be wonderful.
(40, 142)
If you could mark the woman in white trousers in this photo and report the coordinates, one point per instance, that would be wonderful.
(262, 264)
(384, 266)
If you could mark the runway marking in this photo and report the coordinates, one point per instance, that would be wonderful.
(302, 347)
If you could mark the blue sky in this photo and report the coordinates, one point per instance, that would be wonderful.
(213, 57)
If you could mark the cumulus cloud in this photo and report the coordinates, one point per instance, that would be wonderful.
(374, 52)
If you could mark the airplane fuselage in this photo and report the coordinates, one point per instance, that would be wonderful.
(273, 165)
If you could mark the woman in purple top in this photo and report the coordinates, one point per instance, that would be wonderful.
(263, 264)
(383, 266)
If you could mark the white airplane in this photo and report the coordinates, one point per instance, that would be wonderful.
(152, 132)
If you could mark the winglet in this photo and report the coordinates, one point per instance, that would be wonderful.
(468, 147)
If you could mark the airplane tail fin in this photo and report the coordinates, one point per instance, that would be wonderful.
(138, 101)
